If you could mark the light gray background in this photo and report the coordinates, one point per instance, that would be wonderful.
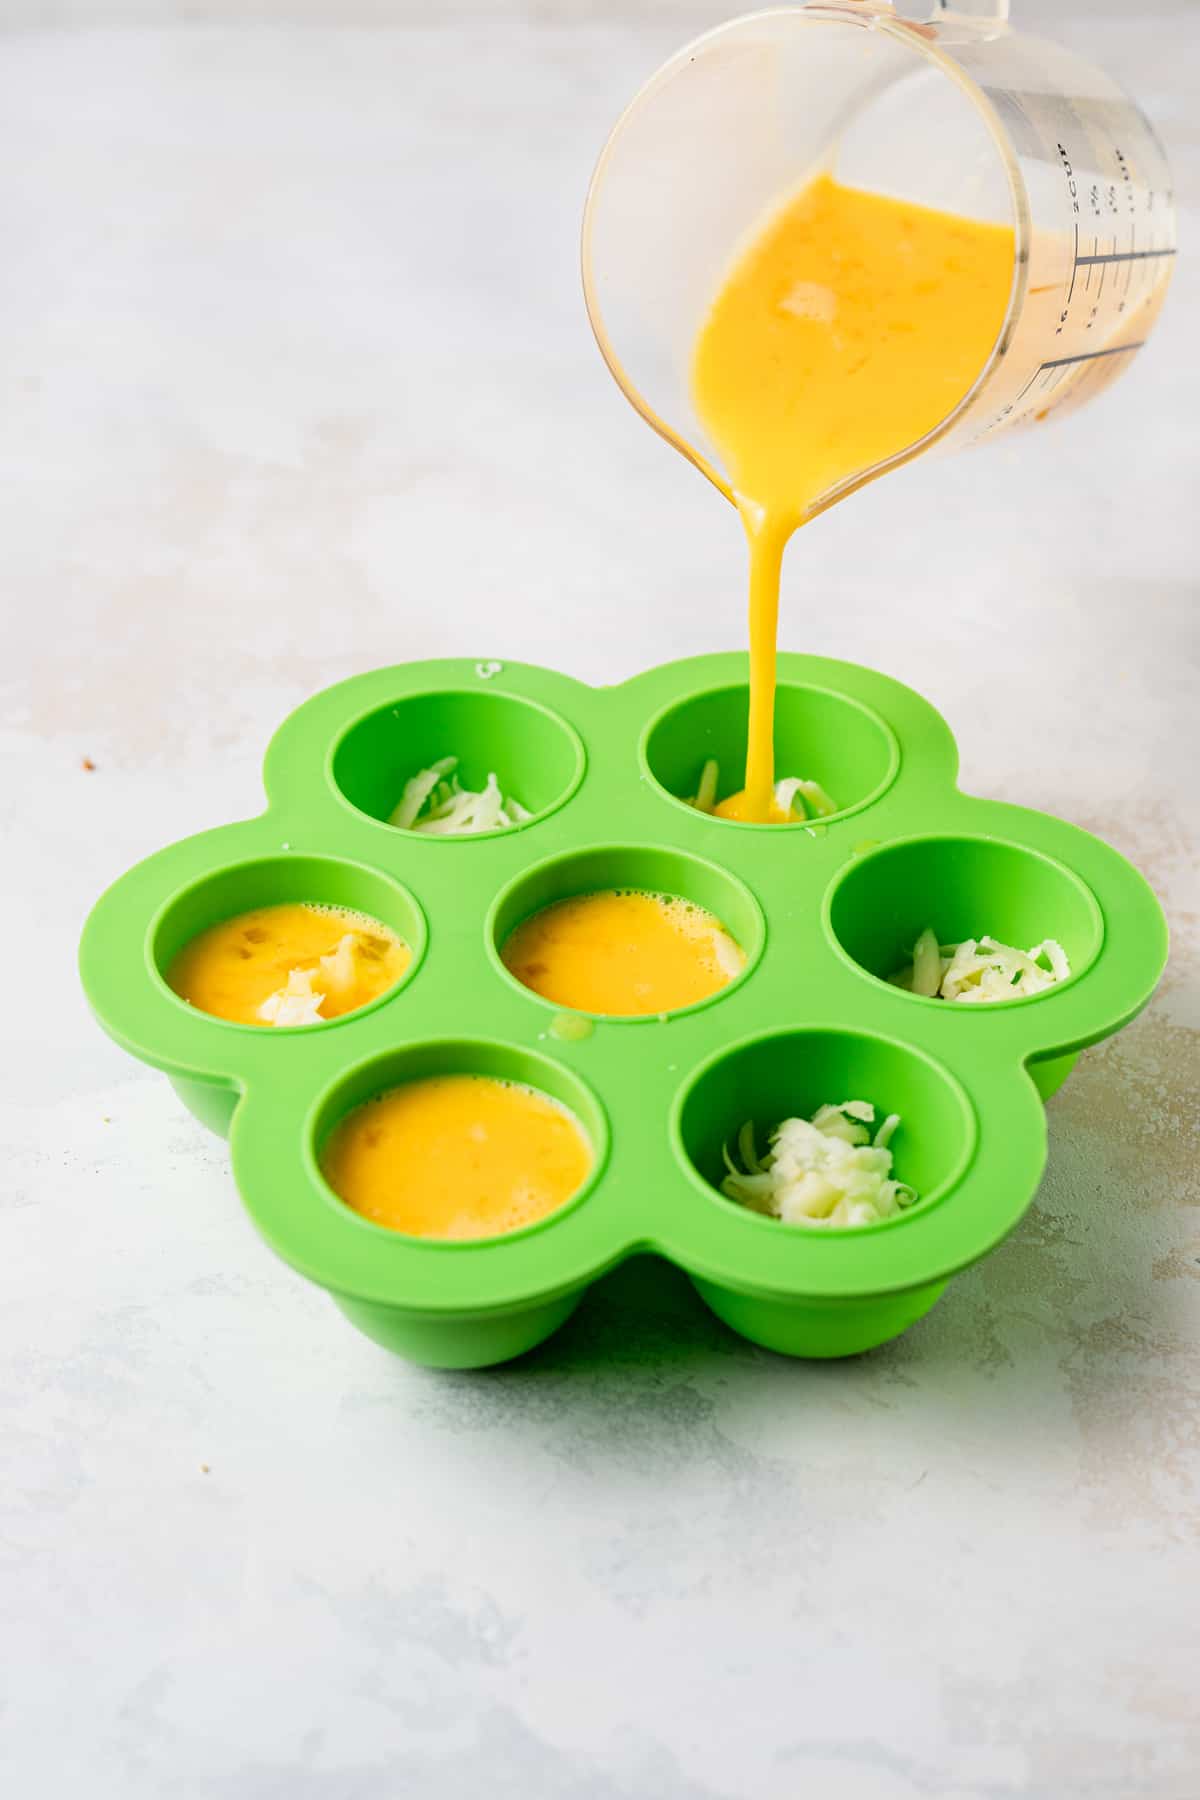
(297, 381)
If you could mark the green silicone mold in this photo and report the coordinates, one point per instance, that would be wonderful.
(823, 912)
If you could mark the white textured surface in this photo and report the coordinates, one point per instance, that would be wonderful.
(296, 382)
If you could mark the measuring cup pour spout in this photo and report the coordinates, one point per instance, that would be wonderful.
(943, 104)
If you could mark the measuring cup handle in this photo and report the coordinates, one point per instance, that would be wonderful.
(988, 14)
(980, 12)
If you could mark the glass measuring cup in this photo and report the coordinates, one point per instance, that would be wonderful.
(953, 110)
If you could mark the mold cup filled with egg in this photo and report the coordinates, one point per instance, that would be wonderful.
(457, 1156)
(623, 952)
(443, 1163)
(281, 946)
(294, 963)
(626, 934)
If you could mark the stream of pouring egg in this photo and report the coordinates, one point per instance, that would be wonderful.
(850, 326)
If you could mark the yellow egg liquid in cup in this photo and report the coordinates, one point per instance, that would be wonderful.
(850, 326)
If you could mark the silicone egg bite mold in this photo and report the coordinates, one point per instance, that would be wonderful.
(823, 912)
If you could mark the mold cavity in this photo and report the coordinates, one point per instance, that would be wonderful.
(820, 736)
(790, 1074)
(458, 1141)
(536, 757)
(228, 944)
(960, 887)
(626, 933)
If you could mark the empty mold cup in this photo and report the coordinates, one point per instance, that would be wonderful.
(962, 887)
(823, 918)
(533, 754)
(790, 1074)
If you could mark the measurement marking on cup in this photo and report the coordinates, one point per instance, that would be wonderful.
(1056, 365)
(1124, 256)
(1056, 376)
(1088, 262)
(1097, 258)
(1060, 362)
(1132, 256)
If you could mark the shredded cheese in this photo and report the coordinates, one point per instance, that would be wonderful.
(980, 970)
(297, 1003)
(434, 801)
(706, 794)
(730, 957)
(795, 798)
(335, 976)
(825, 1171)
